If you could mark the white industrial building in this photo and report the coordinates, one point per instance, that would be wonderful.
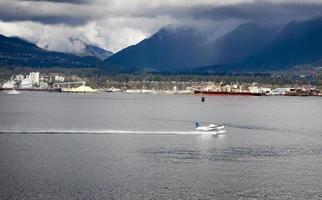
(26, 83)
(9, 84)
(34, 77)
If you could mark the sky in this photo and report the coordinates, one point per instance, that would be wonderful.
(116, 24)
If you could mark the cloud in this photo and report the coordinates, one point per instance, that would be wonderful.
(47, 12)
(262, 12)
(115, 24)
(63, 1)
(57, 37)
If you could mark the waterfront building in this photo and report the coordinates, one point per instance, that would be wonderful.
(45, 78)
(9, 84)
(19, 77)
(59, 78)
(34, 77)
(43, 85)
(226, 88)
(266, 91)
(260, 90)
(26, 83)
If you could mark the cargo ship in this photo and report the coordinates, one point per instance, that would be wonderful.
(224, 93)
(230, 90)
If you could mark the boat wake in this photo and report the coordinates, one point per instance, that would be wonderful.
(109, 132)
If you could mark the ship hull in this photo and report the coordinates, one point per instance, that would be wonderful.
(215, 93)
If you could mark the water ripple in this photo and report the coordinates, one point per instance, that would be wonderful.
(233, 153)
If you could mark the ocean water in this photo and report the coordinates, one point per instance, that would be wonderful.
(132, 146)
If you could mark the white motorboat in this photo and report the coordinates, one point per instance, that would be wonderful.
(13, 91)
(210, 127)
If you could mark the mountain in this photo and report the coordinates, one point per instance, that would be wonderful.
(172, 49)
(18, 52)
(244, 41)
(102, 54)
(84, 49)
(249, 47)
(168, 48)
(300, 42)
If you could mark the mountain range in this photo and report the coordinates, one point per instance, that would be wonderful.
(181, 48)
(16, 52)
(300, 42)
(249, 47)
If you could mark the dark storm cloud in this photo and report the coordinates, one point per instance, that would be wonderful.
(45, 12)
(266, 13)
(50, 20)
(78, 12)
(63, 1)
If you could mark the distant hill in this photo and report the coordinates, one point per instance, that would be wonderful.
(16, 52)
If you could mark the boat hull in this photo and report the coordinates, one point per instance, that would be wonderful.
(215, 93)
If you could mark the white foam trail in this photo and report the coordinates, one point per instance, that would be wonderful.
(109, 132)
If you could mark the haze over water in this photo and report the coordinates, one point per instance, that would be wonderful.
(120, 146)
